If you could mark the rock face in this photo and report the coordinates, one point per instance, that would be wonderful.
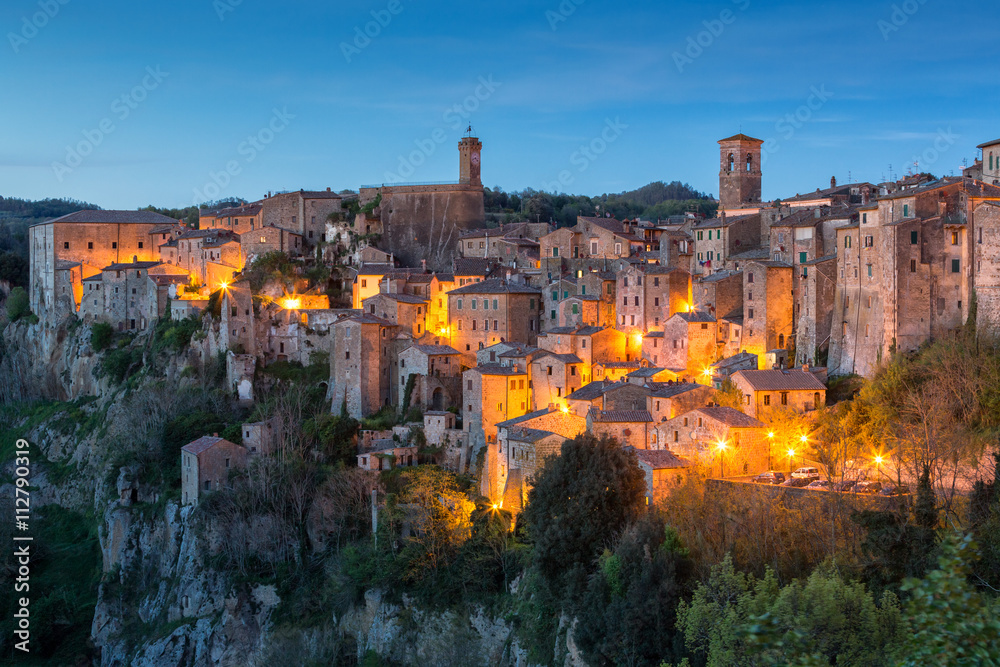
(48, 361)
(412, 636)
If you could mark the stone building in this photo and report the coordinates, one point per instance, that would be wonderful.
(523, 445)
(553, 378)
(239, 219)
(740, 177)
(690, 342)
(128, 296)
(767, 307)
(261, 438)
(407, 311)
(765, 390)
(489, 312)
(724, 440)
(303, 213)
(649, 295)
(664, 473)
(424, 222)
(987, 267)
(905, 273)
(991, 162)
(437, 376)
(815, 296)
(359, 365)
(269, 239)
(205, 466)
(719, 293)
(718, 239)
(633, 428)
(66, 250)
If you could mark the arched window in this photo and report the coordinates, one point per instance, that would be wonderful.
(732, 162)
(781, 340)
(749, 163)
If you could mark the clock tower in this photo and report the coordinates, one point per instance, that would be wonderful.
(470, 151)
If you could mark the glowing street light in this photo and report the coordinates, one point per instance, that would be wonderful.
(720, 447)
(291, 303)
(791, 456)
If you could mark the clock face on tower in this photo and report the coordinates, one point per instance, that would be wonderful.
(475, 158)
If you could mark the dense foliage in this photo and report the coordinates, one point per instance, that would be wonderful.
(652, 202)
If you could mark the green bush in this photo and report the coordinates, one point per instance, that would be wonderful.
(18, 305)
(101, 336)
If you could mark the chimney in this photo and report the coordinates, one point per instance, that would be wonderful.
(423, 265)
(833, 181)
(215, 435)
(328, 189)
(866, 195)
(805, 368)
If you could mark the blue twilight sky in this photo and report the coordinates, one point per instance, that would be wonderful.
(646, 88)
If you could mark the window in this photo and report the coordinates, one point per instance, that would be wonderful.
(869, 241)
(656, 282)
(636, 299)
(475, 303)
(531, 304)
(486, 304)
(847, 241)
(114, 245)
(906, 210)
(458, 304)
(913, 266)
(767, 399)
(618, 248)
(552, 315)
(140, 245)
(749, 296)
(555, 251)
(90, 244)
(784, 398)
(956, 265)
(954, 238)
(914, 238)
(803, 257)
(781, 340)
(347, 355)
(66, 245)
(593, 247)
(750, 314)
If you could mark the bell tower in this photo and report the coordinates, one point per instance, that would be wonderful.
(740, 175)
(470, 151)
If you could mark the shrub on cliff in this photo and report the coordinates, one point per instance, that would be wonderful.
(18, 305)
(101, 335)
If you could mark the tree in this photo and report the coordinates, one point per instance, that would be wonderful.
(729, 395)
(101, 335)
(629, 612)
(14, 269)
(579, 501)
(950, 622)
(18, 305)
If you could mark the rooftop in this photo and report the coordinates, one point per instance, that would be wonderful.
(620, 416)
(495, 286)
(115, 217)
(781, 380)
(730, 417)
(204, 443)
(661, 460)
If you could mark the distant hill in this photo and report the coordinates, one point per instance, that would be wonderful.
(12, 207)
(655, 201)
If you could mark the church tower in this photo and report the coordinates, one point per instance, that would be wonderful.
(740, 175)
(470, 151)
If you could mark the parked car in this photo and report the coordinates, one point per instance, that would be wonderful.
(894, 490)
(796, 482)
(820, 485)
(769, 477)
(806, 473)
(867, 487)
(845, 486)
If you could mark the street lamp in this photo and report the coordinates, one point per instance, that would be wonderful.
(878, 463)
(791, 455)
(770, 444)
(721, 449)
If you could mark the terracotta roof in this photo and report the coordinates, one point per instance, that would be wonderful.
(403, 298)
(695, 317)
(366, 319)
(731, 417)
(375, 269)
(524, 418)
(529, 434)
(782, 380)
(989, 143)
(661, 460)
(620, 416)
(619, 364)
(741, 137)
(491, 369)
(436, 350)
(131, 265)
(671, 389)
(495, 286)
(204, 443)
(588, 392)
(114, 217)
(742, 357)
(564, 358)
(473, 266)
(719, 275)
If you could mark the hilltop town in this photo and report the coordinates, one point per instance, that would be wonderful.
(506, 341)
